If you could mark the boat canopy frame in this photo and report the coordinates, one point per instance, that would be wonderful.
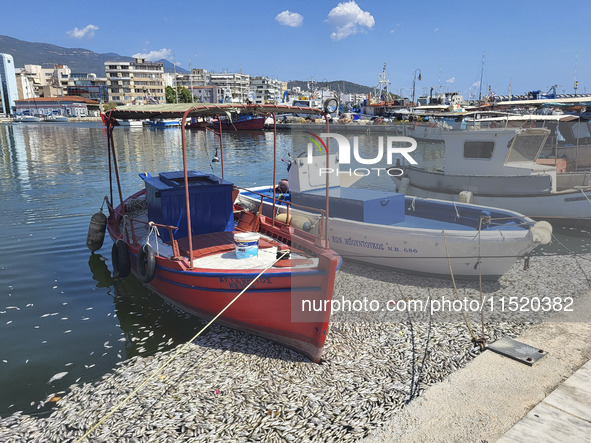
(190, 110)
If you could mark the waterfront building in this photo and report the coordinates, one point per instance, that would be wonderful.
(36, 81)
(89, 86)
(66, 105)
(267, 90)
(8, 85)
(206, 94)
(137, 82)
(233, 87)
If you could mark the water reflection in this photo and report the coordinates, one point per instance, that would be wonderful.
(147, 322)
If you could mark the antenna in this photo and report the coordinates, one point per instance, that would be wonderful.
(481, 72)
(576, 82)
(191, 81)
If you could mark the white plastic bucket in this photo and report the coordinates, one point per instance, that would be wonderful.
(247, 244)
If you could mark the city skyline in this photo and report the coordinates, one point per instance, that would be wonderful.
(523, 49)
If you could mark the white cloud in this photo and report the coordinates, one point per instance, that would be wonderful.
(155, 55)
(451, 80)
(436, 30)
(476, 84)
(289, 18)
(86, 32)
(348, 19)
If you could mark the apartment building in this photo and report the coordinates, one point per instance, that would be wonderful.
(88, 86)
(267, 90)
(37, 81)
(233, 87)
(135, 82)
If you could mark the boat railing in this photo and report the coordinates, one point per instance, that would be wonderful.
(132, 238)
(288, 207)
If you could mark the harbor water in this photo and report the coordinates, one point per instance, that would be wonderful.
(63, 319)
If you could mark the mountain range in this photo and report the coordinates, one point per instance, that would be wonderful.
(79, 60)
(84, 61)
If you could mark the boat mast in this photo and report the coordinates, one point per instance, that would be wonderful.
(576, 82)
(481, 72)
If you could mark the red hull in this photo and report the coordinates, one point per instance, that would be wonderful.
(271, 308)
(254, 124)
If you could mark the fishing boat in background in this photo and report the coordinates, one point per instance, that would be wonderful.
(56, 118)
(123, 122)
(414, 235)
(184, 238)
(243, 122)
(131, 123)
(24, 118)
(198, 123)
(498, 167)
(164, 123)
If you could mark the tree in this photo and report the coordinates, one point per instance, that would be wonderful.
(108, 106)
(184, 95)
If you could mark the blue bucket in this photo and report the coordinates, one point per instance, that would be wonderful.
(247, 244)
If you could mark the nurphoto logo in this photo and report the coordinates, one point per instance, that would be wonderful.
(394, 146)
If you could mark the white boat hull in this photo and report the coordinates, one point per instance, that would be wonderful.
(490, 253)
(567, 206)
(471, 254)
(131, 123)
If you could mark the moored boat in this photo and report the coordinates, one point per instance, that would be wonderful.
(241, 123)
(410, 234)
(181, 236)
(497, 167)
(56, 118)
(164, 123)
(27, 118)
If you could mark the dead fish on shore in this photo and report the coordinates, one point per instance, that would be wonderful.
(57, 376)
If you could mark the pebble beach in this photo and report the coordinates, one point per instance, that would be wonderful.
(231, 386)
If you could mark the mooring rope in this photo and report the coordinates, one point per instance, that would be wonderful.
(182, 348)
(153, 230)
(451, 272)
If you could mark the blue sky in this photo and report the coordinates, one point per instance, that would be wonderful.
(530, 44)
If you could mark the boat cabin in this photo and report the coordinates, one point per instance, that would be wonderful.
(209, 196)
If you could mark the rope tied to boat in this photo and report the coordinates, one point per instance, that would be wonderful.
(481, 342)
(153, 230)
(484, 220)
(412, 205)
(181, 349)
(585, 195)
(457, 212)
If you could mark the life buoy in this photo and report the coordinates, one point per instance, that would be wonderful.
(146, 264)
(120, 258)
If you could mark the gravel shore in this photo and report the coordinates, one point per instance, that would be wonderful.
(230, 386)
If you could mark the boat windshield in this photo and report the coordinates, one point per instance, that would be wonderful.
(526, 146)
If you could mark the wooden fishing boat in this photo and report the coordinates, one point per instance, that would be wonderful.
(240, 123)
(180, 236)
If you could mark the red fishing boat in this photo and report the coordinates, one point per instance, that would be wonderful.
(183, 237)
(241, 123)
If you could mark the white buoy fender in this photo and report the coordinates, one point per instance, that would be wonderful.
(297, 221)
(542, 232)
(466, 197)
(403, 187)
